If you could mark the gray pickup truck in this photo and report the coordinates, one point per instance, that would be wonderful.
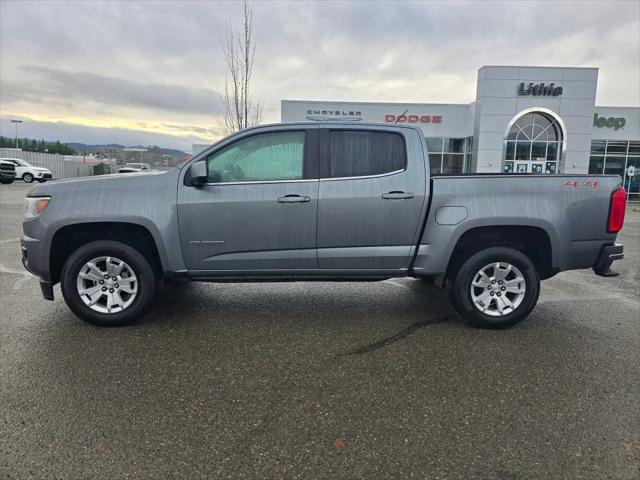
(327, 202)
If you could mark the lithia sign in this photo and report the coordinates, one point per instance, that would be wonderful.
(539, 89)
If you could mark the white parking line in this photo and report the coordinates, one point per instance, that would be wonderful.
(9, 240)
(26, 276)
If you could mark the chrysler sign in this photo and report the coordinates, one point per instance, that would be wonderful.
(539, 89)
(333, 115)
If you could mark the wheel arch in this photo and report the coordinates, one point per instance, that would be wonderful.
(533, 241)
(70, 237)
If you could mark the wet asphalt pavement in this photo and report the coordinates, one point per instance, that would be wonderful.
(320, 380)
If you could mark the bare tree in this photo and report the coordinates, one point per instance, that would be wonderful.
(240, 108)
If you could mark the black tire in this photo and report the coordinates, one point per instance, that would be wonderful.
(27, 178)
(6, 182)
(147, 283)
(459, 287)
(42, 180)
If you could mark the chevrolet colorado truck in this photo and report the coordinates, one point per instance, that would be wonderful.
(325, 202)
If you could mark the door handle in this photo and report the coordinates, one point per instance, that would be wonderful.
(397, 195)
(294, 199)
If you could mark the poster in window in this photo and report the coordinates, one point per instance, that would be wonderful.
(536, 168)
(508, 167)
(522, 168)
(551, 167)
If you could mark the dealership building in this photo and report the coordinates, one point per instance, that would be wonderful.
(523, 120)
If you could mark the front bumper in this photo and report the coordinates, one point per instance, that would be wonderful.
(27, 245)
(608, 255)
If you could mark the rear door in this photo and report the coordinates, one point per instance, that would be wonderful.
(258, 210)
(371, 197)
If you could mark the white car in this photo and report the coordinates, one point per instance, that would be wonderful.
(134, 167)
(27, 172)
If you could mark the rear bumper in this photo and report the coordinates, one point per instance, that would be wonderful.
(608, 255)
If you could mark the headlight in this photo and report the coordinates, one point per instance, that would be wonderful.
(34, 206)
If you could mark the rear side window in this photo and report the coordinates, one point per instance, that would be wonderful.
(356, 153)
(263, 157)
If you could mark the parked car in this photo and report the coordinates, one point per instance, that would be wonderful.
(7, 171)
(328, 201)
(28, 173)
(134, 167)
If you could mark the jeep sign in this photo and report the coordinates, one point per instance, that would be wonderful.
(610, 122)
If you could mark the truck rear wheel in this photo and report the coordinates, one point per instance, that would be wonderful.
(108, 283)
(495, 288)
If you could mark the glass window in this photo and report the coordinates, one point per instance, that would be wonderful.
(435, 163)
(538, 139)
(264, 157)
(358, 153)
(538, 150)
(511, 150)
(596, 164)
(616, 147)
(454, 145)
(523, 151)
(634, 148)
(552, 151)
(434, 144)
(453, 163)
(597, 146)
(633, 185)
(614, 165)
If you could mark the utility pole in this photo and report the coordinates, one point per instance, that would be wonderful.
(16, 122)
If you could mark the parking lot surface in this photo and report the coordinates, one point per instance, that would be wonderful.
(320, 380)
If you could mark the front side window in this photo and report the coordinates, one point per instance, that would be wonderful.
(357, 153)
(263, 157)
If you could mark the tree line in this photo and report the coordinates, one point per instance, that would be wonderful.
(33, 145)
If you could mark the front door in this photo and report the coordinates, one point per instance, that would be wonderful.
(258, 210)
(371, 198)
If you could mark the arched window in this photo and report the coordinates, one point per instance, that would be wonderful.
(533, 144)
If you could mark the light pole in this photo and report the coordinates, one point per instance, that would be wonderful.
(16, 122)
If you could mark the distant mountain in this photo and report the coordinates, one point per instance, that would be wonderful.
(154, 150)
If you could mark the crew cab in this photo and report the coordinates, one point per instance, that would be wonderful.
(27, 172)
(318, 202)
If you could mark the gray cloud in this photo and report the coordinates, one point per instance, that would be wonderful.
(113, 91)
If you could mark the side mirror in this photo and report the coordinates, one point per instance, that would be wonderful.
(198, 174)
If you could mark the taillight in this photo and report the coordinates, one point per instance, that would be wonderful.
(616, 210)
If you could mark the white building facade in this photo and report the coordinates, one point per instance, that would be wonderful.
(540, 120)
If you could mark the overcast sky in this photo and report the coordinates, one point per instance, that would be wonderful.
(144, 72)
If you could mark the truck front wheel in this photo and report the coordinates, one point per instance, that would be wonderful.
(108, 283)
(495, 288)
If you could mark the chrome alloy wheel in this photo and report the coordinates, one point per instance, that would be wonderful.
(107, 284)
(498, 289)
